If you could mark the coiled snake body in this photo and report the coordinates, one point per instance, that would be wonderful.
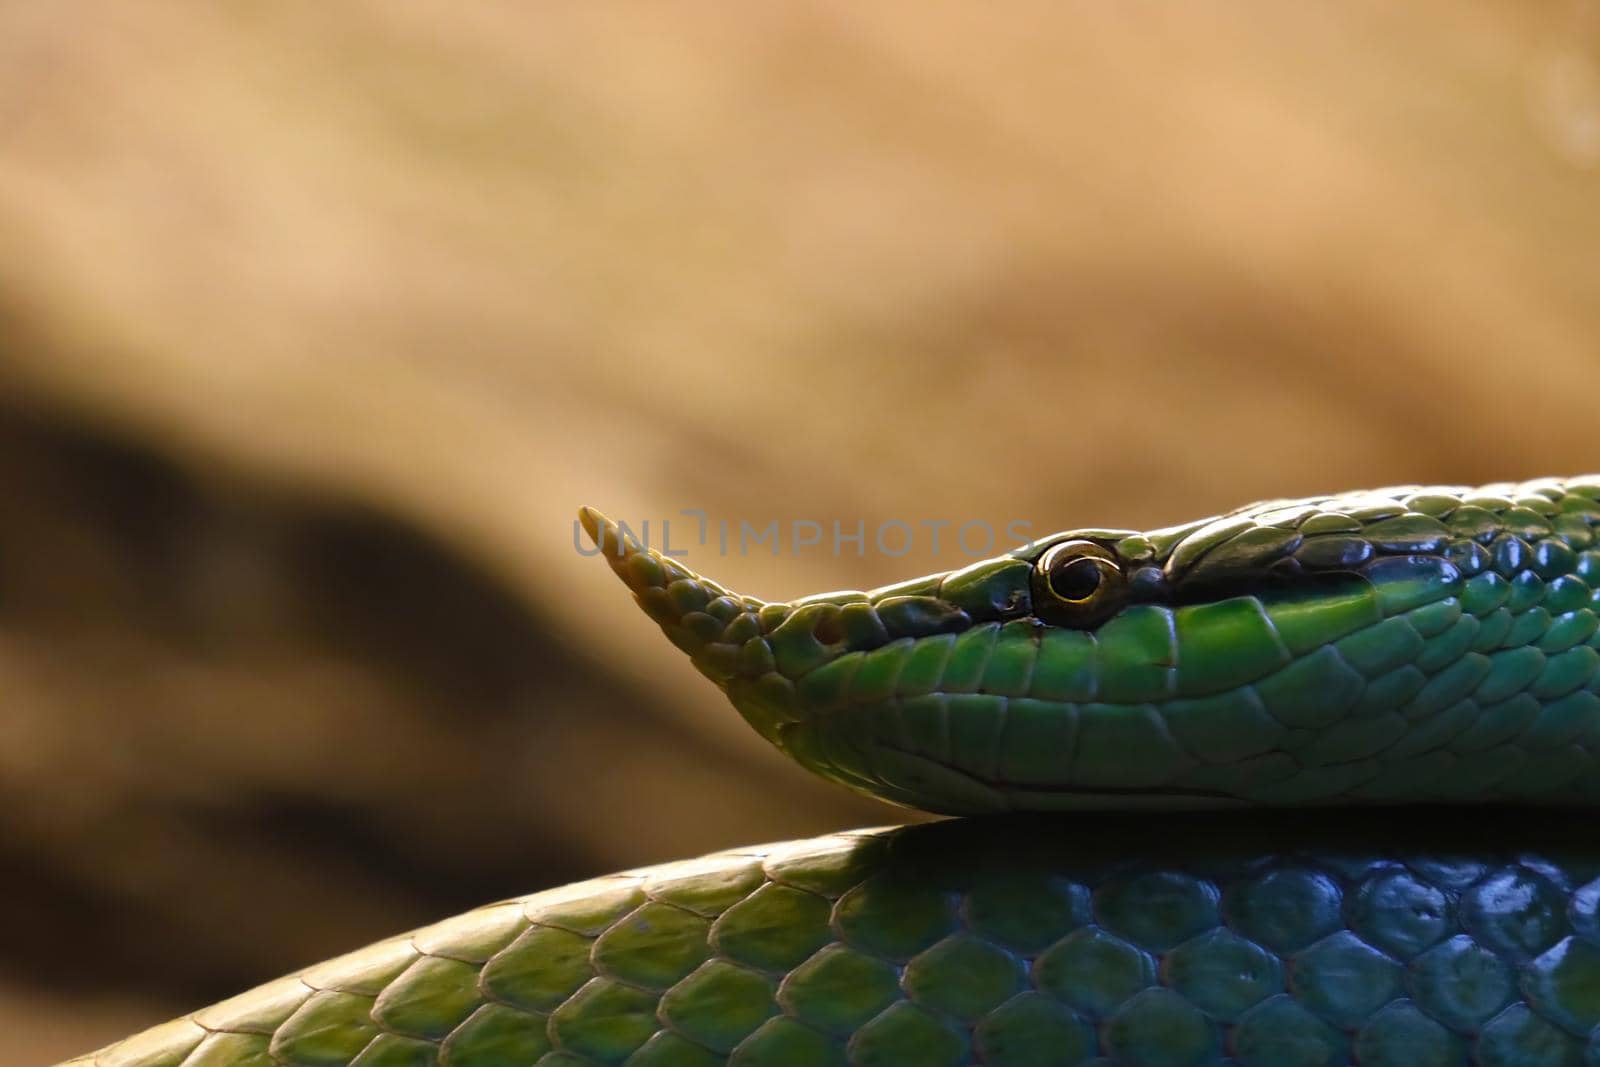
(1341, 655)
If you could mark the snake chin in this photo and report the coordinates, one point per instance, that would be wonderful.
(934, 786)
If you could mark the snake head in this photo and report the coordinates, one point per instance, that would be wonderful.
(1432, 644)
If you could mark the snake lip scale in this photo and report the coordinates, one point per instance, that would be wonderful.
(1392, 696)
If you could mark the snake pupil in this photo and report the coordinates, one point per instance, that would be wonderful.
(1076, 579)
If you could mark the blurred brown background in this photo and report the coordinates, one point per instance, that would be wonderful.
(317, 321)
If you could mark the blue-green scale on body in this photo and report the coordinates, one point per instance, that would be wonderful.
(1199, 940)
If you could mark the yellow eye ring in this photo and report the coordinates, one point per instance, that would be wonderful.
(1078, 583)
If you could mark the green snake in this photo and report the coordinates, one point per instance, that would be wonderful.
(1350, 653)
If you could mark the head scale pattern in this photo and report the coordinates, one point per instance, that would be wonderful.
(1411, 643)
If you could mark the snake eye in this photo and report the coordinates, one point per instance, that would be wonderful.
(1075, 580)
(1078, 583)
